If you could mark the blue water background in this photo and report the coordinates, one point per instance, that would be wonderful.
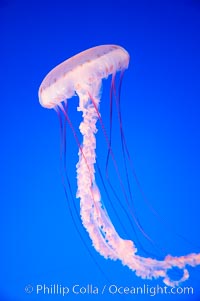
(160, 105)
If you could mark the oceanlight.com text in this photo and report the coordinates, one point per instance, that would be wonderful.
(111, 289)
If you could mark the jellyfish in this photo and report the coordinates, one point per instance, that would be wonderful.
(82, 76)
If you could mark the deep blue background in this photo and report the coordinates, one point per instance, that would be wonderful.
(160, 103)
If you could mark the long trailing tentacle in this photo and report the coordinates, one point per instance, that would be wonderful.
(68, 189)
(117, 171)
(98, 224)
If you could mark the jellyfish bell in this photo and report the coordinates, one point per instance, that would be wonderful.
(82, 75)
